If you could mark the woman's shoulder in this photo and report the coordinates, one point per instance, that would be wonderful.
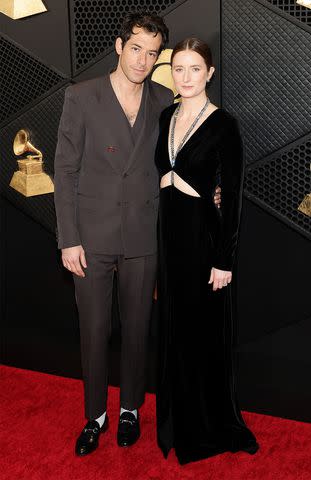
(225, 123)
(168, 111)
(224, 117)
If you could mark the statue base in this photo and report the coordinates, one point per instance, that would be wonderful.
(31, 185)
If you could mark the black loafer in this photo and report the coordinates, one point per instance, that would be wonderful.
(128, 429)
(88, 439)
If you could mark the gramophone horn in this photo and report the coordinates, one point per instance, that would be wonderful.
(21, 144)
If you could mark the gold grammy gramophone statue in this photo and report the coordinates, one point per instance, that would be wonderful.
(30, 179)
(305, 206)
(162, 70)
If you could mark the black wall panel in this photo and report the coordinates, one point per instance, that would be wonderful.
(44, 35)
(24, 80)
(39, 322)
(273, 275)
(42, 122)
(265, 65)
(273, 374)
(280, 181)
(266, 75)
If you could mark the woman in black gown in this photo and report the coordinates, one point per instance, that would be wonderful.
(199, 147)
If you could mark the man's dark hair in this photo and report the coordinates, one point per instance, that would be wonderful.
(148, 21)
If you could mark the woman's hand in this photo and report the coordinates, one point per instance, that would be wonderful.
(217, 197)
(220, 278)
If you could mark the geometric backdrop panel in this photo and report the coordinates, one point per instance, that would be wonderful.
(280, 182)
(95, 25)
(23, 79)
(266, 66)
(42, 122)
(301, 13)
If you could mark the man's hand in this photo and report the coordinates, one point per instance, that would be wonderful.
(220, 278)
(217, 197)
(73, 259)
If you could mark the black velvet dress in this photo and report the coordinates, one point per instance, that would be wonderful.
(197, 411)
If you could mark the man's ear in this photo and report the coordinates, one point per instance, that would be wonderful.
(118, 45)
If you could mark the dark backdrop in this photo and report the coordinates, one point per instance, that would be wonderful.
(261, 51)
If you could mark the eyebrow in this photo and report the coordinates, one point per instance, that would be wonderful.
(139, 46)
(190, 66)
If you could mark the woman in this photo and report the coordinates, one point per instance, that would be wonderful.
(199, 146)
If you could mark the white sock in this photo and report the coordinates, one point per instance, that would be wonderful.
(134, 412)
(101, 419)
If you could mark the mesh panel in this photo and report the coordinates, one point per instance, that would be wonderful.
(282, 180)
(23, 79)
(266, 76)
(96, 24)
(298, 11)
(42, 121)
(266, 84)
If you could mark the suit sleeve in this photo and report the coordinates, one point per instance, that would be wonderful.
(167, 97)
(231, 174)
(69, 151)
(170, 98)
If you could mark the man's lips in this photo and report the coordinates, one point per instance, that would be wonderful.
(138, 70)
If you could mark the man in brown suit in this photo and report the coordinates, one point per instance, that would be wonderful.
(106, 198)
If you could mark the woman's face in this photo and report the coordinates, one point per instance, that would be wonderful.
(190, 73)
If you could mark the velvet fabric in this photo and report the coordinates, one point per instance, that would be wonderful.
(197, 410)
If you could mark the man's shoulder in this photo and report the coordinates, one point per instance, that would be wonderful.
(163, 94)
(86, 87)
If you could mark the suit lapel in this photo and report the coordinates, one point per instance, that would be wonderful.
(117, 139)
(150, 121)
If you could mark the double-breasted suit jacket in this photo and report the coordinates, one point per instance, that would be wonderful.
(106, 183)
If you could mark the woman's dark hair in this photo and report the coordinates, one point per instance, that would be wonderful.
(146, 20)
(196, 45)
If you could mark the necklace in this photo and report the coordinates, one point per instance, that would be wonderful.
(188, 132)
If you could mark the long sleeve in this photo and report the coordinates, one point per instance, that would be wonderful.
(69, 151)
(232, 173)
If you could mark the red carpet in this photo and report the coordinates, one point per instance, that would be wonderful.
(42, 415)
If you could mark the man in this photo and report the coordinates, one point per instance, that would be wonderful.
(106, 198)
(106, 195)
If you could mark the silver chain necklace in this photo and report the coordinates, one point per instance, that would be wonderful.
(188, 132)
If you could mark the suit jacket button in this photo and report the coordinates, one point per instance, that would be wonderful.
(147, 202)
(125, 175)
(119, 204)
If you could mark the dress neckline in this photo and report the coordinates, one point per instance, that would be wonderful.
(190, 137)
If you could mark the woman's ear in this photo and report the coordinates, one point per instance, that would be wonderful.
(210, 73)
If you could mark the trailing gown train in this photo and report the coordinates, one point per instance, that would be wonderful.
(197, 410)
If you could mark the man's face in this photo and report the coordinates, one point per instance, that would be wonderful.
(138, 54)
